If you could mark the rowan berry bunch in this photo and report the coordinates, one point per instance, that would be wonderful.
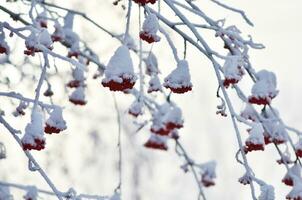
(46, 27)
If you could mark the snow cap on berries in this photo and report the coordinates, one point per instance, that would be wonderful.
(173, 118)
(5, 193)
(298, 148)
(55, 123)
(4, 48)
(31, 194)
(41, 19)
(77, 97)
(154, 85)
(208, 173)
(255, 141)
(157, 142)
(78, 78)
(151, 64)
(136, 108)
(150, 28)
(267, 192)
(249, 113)
(34, 133)
(294, 173)
(245, 179)
(179, 80)
(264, 90)
(296, 192)
(119, 74)
(58, 34)
(233, 70)
(37, 38)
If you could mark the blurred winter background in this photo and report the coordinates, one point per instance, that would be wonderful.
(85, 156)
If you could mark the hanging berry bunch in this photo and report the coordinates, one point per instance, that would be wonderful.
(144, 2)
(233, 70)
(179, 80)
(55, 123)
(150, 28)
(33, 138)
(119, 74)
(264, 90)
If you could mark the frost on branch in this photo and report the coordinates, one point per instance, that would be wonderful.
(31, 194)
(245, 179)
(255, 141)
(233, 70)
(55, 123)
(5, 193)
(267, 192)
(33, 138)
(150, 28)
(264, 90)
(77, 97)
(208, 173)
(119, 74)
(179, 80)
(157, 142)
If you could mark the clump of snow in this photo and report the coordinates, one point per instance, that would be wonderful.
(119, 74)
(5, 193)
(4, 48)
(255, 141)
(233, 69)
(264, 90)
(293, 176)
(37, 38)
(179, 80)
(150, 28)
(31, 194)
(267, 192)
(208, 173)
(56, 119)
(248, 113)
(78, 96)
(34, 133)
(154, 84)
(157, 142)
(151, 64)
(136, 108)
(41, 19)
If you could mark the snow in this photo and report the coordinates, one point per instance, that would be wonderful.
(208, 169)
(265, 85)
(120, 66)
(248, 113)
(154, 84)
(179, 77)
(78, 74)
(56, 119)
(267, 192)
(151, 64)
(68, 21)
(32, 193)
(34, 129)
(232, 68)
(151, 25)
(174, 115)
(256, 134)
(5, 193)
(78, 94)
